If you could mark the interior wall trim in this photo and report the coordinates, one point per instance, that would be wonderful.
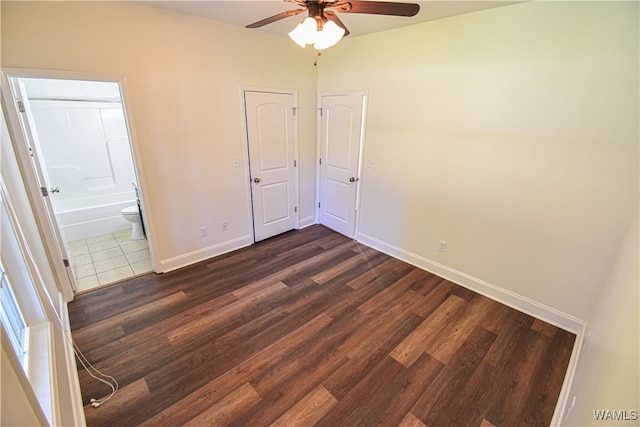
(189, 258)
(72, 369)
(511, 299)
(504, 296)
(307, 221)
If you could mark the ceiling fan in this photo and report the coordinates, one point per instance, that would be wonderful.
(323, 28)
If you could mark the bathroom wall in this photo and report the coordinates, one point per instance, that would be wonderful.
(82, 138)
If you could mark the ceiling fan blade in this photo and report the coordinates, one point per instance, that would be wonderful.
(333, 17)
(378, 7)
(275, 18)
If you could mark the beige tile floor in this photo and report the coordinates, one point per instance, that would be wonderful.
(108, 258)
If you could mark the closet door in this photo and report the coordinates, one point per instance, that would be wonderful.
(341, 140)
(271, 138)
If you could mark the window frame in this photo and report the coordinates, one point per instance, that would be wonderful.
(10, 315)
(37, 355)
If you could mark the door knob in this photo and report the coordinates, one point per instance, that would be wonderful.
(352, 179)
(256, 180)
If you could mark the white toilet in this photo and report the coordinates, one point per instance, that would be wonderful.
(132, 214)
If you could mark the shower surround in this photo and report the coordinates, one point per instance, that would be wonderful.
(82, 136)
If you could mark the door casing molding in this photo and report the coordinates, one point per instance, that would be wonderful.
(19, 142)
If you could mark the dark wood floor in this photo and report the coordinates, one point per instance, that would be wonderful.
(311, 328)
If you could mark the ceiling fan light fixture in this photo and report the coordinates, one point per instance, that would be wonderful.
(324, 29)
(329, 36)
(305, 32)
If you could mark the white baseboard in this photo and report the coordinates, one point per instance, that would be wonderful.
(307, 222)
(72, 370)
(204, 253)
(563, 406)
(504, 296)
(215, 250)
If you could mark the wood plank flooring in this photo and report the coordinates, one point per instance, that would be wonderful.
(312, 328)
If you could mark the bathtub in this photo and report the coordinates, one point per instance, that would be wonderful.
(78, 221)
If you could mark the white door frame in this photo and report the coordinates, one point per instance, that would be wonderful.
(245, 138)
(20, 145)
(365, 102)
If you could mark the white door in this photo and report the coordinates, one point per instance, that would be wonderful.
(341, 137)
(26, 121)
(270, 121)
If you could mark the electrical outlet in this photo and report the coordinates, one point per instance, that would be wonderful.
(236, 162)
(443, 246)
(372, 164)
(224, 226)
(203, 231)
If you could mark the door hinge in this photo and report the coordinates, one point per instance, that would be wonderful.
(65, 262)
(318, 205)
(294, 110)
(320, 111)
(320, 161)
(295, 209)
(295, 163)
(44, 191)
(21, 106)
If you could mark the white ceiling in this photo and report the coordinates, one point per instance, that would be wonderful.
(244, 12)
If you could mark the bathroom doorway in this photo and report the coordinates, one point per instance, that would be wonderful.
(79, 141)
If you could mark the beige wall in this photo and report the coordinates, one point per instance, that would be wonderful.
(608, 375)
(18, 406)
(511, 134)
(184, 75)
